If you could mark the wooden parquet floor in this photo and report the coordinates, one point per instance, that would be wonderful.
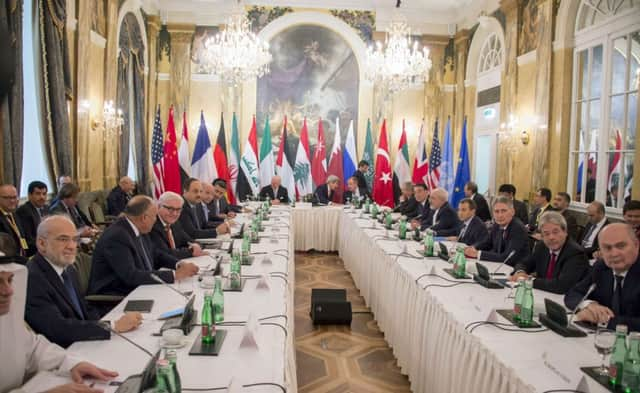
(340, 359)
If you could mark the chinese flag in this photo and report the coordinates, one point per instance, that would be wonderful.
(383, 183)
(170, 160)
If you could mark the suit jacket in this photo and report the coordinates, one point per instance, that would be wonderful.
(49, 310)
(533, 218)
(497, 247)
(476, 232)
(602, 276)
(521, 211)
(482, 207)
(571, 266)
(195, 225)
(594, 246)
(118, 265)
(322, 194)
(79, 219)
(30, 219)
(267, 192)
(224, 208)
(364, 193)
(5, 226)
(362, 181)
(408, 208)
(447, 222)
(117, 201)
(572, 224)
(159, 239)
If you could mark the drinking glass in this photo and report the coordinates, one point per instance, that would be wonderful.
(603, 341)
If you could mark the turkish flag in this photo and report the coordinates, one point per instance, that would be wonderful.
(383, 183)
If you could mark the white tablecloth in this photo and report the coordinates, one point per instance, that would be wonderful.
(426, 327)
(316, 227)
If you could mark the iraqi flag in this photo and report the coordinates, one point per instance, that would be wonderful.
(383, 183)
(335, 162)
(234, 157)
(202, 165)
(249, 176)
(401, 172)
(302, 167)
(283, 163)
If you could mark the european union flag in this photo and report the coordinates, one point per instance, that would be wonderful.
(463, 174)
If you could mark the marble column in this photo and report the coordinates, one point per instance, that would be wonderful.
(461, 45)
(153, 28)
(83, 126)
(180, 74)
(111, 142)
(434, 96)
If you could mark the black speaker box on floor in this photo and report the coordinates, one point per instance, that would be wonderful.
(330, 307)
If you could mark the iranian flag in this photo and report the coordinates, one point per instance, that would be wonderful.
(383, 184)
(401, 172)
(302, 167)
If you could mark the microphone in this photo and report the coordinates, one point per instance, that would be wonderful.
(586, 295)
(511, 254)
(161, 281)
(107, 326)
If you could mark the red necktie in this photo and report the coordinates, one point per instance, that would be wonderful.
(552, 266)
(172, 243)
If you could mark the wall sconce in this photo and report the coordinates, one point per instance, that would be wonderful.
(524, 137)
(111, 122)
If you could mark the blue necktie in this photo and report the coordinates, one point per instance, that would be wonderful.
(71, 291)
(145, 255)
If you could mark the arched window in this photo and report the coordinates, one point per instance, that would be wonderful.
(490, 54)
(605, 101)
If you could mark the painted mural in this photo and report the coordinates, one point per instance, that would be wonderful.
(200, 37)
(314, 74)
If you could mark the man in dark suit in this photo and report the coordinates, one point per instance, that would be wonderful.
(324, 192)
(541, 200)
(408, 206)
(68, 204)
(193, 219)
(509, 191)
(440, 218)
(167, 234)
(9, 221)
(616, 297)
(54, 306)
(506, 235)
(561, 203)
(32, 212)
(62, 180)
(631, 214)
(482, 207)
(557, 262)
(120, 195)
(275, 192)
(215, 204)
(597, 221)
(354, 192)
(363, 167)
(124, 258)
(472, 230)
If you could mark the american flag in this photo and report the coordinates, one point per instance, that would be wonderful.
(156, 156)
(434, 162)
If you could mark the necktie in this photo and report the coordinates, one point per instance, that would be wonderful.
(145, 255)
(551, 266)
(172, 242)
(502, 236)
(196, 216)
(616, 301)
(71, 291)
(585, 240)
(463, 231)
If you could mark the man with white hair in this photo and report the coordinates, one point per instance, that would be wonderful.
(440, 218)
(275, 191)
(167, 234)
(324, 192)
(120, 195)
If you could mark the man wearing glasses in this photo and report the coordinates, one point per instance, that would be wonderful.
(9, 223)
(54, 307)
(167, 234)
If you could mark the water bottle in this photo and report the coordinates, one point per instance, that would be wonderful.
(218, 301)
(460, 263)
(367, 206)
(631, 368)
(526, 309)
(208, 328)
(374, 211)
(388, 221)
(619, 354)
(428, 243)
(235, 274)
(517, 303)
(172, 357)
(402, 229)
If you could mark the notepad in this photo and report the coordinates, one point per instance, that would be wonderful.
(139, 306)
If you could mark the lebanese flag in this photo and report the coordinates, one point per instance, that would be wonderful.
(335, 163)
(319, 162)
(421, 162)
(383, 183)
(220, 161)
(301, 168)
(171, 176)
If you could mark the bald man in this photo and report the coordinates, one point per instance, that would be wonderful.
(9, 221)
(275, 191)
(616, 297)
(440, 218)
(120, 195)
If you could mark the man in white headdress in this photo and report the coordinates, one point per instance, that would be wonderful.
(26, 353)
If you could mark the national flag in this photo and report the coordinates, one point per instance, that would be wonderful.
(591, 162)
(463, 173)
(401, 172)
(420, 162)
(349, 156)
(319, 162)
(156, 156)
(220, 160)
(267, 167)
(302, 167)
(183, 151)
(202, 165)
(170, 165)
(614, 163)
(434, 161)
(383, 184)
(234, 158)
(249, 175)
(283, 163)
(447, 174)
(335, 162)
(367, 155)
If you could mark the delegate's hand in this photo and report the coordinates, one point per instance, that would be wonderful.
(185, 270)
(518, 275)
(86, 369)
(129, 321)
(415, 224)
(595, 313)
(196, 250)
(275, 202)
(222, 228)
(470, 252)
(231, 214)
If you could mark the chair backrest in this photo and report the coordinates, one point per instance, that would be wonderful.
(83, 267)
(97, 214)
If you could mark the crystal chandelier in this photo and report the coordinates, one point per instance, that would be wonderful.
(236, 54)
(111, 122)
(398, 64)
